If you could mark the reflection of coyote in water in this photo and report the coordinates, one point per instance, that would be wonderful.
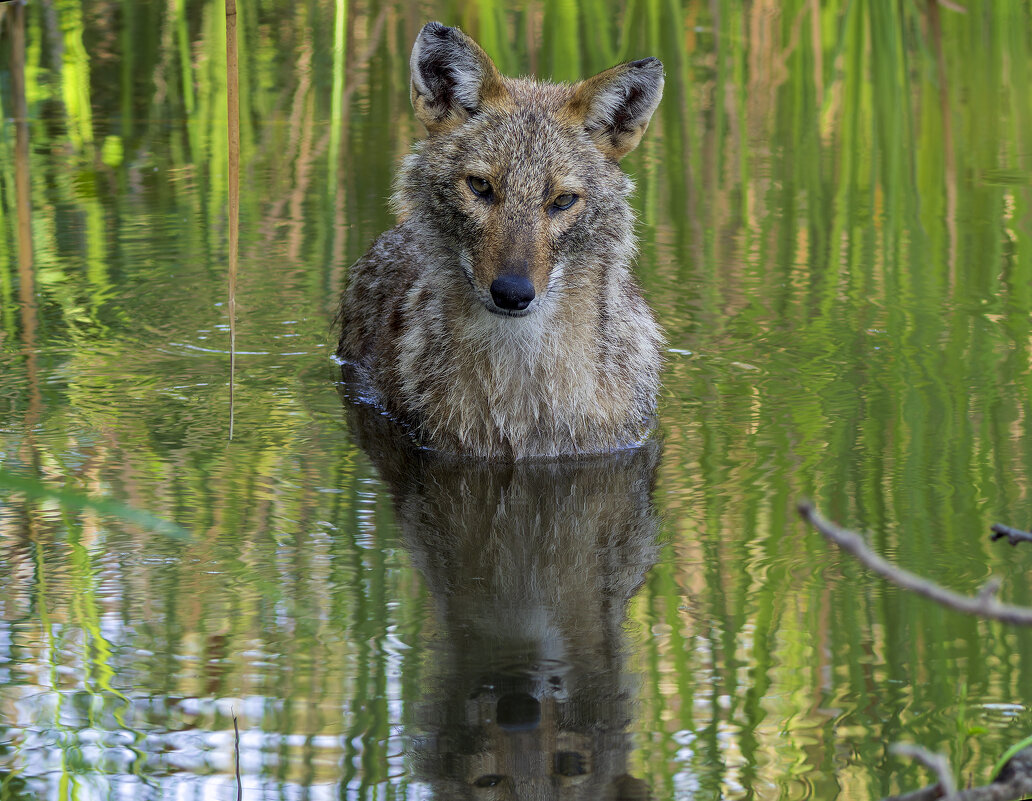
(531, 567)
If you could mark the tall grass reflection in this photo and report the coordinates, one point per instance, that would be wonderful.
(834, 203)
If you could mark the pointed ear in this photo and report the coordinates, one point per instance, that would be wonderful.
(451, 77)
(616, 105)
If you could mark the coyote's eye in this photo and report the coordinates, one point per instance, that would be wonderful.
(481, 186)
(490, 780)
(564, 201)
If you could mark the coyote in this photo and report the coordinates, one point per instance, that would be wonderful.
(500, 318)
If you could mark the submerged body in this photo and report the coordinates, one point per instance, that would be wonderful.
(500, 318)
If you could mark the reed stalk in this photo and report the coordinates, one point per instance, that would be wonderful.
(236, 752)
(337, 99)
(23, 201)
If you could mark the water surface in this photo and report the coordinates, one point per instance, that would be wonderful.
(835, 233)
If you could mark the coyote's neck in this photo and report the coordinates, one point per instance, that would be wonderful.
(520, 384)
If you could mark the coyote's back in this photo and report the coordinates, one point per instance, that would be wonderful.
(500, 317)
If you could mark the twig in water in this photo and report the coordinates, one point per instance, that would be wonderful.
(936, 763)
(1014, 783)
(236, 753)
(984, 604)
(1013, 535)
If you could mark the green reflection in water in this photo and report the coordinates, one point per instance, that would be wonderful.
(835, 233)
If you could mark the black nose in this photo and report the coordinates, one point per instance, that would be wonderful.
(512, 292)
(518, 712)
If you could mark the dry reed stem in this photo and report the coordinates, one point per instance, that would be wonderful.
(236, 755)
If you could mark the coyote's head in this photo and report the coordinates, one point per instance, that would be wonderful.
(519, 179)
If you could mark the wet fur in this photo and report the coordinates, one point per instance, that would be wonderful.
(577, 372)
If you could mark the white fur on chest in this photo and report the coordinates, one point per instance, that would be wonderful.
(536, 371)
(515, 378)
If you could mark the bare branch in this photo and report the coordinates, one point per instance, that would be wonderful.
(985, 604)
(1013, 535)
(936, 763)
(1013, 784)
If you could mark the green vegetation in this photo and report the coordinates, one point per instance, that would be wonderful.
(31, 489)
(836, 233)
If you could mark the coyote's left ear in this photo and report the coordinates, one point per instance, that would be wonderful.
(452, 77)
(616, 105)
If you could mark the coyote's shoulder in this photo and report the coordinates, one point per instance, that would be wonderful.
(500, 317)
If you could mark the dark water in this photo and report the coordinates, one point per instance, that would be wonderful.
(836, 236)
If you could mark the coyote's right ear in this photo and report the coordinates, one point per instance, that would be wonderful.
(451, 77)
